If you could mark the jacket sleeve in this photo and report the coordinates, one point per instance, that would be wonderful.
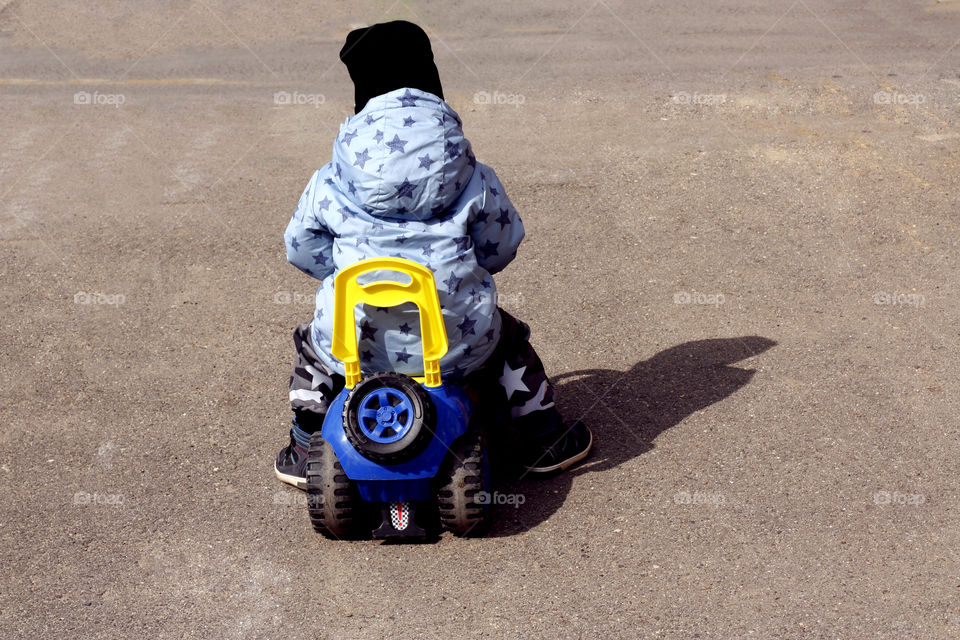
(309, 242)
(496, 229)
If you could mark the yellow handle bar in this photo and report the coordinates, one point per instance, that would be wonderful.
(421, 290)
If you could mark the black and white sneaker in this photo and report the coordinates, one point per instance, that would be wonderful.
(559, 453)
(291, 463)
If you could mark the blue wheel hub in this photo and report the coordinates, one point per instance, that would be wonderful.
(385, 415)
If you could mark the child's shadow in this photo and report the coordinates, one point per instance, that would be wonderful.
(627, 410)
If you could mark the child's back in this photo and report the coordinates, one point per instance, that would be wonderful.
(404, 182)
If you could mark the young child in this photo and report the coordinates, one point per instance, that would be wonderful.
(404, 182)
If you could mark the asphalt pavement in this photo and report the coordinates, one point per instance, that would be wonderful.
(741, 237)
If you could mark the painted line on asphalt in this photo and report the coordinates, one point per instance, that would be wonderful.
(132, 81)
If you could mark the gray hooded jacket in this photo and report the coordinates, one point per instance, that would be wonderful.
(403, 182)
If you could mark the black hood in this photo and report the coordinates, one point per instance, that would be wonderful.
(388, 56)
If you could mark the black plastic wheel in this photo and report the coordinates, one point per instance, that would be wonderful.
(463, 495)
(334, 504)
(388, 418)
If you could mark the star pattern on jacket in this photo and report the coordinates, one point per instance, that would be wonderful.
(402, 355)
(466, 326)
(397, 144)
(368, 331)
(451, 149)
(408, 99)
(348, 138)
(405, 189)
(453, 283)
(488, 249)
(504, 218)
(362, 158)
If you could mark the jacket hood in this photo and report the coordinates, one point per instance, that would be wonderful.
(403, 156)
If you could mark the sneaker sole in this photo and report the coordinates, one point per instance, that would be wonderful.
(566, 464)
(296, 481)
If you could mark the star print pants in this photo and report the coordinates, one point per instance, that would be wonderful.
(512, 380)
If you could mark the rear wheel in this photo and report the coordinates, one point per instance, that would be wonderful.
(463, 500)
(332, 499)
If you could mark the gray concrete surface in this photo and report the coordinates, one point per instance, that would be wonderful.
(741, 268)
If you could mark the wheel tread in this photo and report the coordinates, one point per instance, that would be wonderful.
(456, 499)
(333, 501)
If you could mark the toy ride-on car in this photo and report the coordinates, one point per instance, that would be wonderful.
(396, 454)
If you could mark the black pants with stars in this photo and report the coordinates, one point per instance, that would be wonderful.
(512, 380)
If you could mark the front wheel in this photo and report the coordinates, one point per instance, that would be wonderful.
(463, 498)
